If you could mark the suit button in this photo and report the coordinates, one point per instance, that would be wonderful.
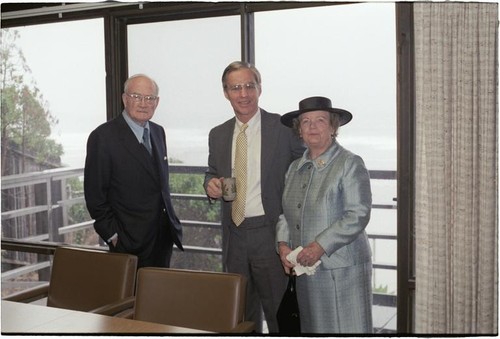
(297, 226)
(299, 205)
(165, 211)
(304, 185)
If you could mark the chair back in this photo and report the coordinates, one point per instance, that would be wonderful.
(211, 301)
(84, 280)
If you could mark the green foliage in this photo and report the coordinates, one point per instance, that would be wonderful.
(76, 186)
(77, 213)
(193, 209)
(196, 210)
(382, 289)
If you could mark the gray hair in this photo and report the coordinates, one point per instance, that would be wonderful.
(237, 65)
(127, 83)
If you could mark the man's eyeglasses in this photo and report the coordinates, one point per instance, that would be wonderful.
(251, 86)
(148, 99)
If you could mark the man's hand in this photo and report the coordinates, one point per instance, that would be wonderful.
(214, 188)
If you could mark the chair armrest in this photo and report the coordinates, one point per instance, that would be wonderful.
(244, 327)
(30, 294)
(116, 307)
(127, 314)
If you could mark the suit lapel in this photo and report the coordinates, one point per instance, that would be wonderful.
(227, 147)
(130, 143)
(270, 136)
(159, 148)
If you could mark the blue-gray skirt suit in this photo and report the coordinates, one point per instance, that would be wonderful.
(328, 200)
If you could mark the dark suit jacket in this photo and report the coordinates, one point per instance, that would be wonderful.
(125, 193)
(280, 146)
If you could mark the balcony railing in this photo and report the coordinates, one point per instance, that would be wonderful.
(59, 197)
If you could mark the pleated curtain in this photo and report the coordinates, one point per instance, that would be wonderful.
(456, 206)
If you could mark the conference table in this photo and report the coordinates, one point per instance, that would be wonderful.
(20, 318)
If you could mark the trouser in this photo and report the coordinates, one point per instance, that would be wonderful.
(157, 254)
(252, 253)
(161, 252)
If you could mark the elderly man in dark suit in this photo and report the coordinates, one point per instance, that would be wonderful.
(249, 221)
(127, 180)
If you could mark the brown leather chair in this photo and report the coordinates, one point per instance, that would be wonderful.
(210, 301)
(87, 280)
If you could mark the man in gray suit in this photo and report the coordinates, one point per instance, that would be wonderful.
(249, 246)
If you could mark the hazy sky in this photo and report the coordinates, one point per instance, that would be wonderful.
(346, 53)
(54, 51)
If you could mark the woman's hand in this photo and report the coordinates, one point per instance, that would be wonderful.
(310, 254)
(283, 252)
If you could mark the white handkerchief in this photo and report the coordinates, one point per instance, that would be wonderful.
(299, 269)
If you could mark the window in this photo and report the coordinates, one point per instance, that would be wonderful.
(348, 54)
(62, 81)
(66, 62)
(186, 58)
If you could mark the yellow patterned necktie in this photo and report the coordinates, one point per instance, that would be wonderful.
(240, 173)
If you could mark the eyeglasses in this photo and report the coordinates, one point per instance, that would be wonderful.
(148, 99)
(251, 86)
(318, 122)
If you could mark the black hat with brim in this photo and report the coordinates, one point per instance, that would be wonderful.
(316, 104)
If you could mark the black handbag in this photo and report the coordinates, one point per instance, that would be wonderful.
(288, 312)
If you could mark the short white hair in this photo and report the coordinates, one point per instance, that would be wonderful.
(125, 86)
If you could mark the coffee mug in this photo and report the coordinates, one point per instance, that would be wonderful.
(229, 189)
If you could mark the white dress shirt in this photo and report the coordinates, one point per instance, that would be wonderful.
(253, 207)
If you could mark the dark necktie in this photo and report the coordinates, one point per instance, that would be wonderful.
(146, 142)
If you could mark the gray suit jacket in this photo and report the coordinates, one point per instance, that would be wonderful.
(280, 146)
(328, 200)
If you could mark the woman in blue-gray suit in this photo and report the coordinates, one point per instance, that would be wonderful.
(326, 208)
